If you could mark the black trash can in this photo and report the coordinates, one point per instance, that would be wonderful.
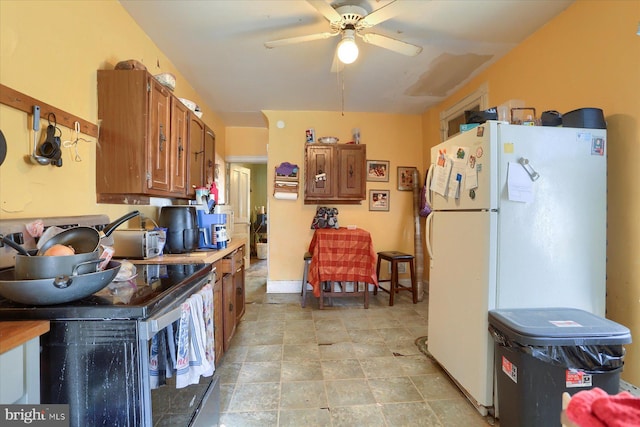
(542, 352)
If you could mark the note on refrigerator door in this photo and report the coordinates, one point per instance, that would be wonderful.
(519, 184)
(455, 179)
(471, 174)
(441, 175)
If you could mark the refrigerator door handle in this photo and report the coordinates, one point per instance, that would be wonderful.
(428, 184)
(428, 232)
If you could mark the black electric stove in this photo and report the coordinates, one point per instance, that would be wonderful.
(154, 287)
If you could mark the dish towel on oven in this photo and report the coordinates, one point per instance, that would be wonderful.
(159, 368)
(207, 297)
(191, 358)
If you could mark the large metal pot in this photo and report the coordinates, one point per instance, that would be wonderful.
(57, 290)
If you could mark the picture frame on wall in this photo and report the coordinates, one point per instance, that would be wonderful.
(405, 178)
(379, 200)
(378, 170)
(310, 135)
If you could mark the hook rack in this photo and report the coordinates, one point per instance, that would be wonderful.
(22, 102)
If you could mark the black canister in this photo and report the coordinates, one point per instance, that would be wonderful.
(182, 228)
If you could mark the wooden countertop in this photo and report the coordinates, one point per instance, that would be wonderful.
(208, 256)
(13, 334)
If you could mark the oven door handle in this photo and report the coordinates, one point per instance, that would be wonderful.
(153, 325)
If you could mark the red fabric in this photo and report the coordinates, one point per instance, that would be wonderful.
(621, 410)
(595, 408)
(341, 255)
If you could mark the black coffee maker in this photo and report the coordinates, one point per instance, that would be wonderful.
(181, 223)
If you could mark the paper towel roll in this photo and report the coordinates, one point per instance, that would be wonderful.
(285, 196)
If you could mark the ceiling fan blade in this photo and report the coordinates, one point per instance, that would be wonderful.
(377, 16)
(392, 44)
(299, 39)
(326, 10)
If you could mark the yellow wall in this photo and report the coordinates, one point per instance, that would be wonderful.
(589, 56)
(396, 138)
(50, 50)
(247, 142)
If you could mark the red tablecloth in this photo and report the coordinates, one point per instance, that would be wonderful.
(341, 255)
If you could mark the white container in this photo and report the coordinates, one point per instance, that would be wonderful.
(261, 249)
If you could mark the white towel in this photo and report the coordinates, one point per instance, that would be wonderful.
(191, 358)
(153, 363)
(182, 356)
(207, 297)
(171, 345)
(197, 356)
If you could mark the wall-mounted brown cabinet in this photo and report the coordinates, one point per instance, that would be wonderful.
(335, 173)
(148, 140)
(202, 143)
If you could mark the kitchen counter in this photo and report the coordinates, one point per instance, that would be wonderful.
(14, 334)
(207, 256)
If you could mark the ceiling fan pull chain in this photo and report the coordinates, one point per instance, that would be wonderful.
(342, 94)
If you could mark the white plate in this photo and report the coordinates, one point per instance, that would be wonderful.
(328, 139)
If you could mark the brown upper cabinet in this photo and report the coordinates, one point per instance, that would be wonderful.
(335, 173)
(147, 140)
(196, 149)
(202, 143)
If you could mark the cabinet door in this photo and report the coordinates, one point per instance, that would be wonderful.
(218, 318)
(209, 156)
(197, 154)
(351, 174)
(228, 309)
(319, 178)
(238, 283)
(179, 143)
(159, 166)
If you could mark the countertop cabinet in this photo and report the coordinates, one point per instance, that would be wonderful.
(238, 284)
(20, 361)
(335, 173)
(228, 310)
(218, 318)
(231, 270)
(144, 141)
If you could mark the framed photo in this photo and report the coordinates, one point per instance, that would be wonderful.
(378, 170)
(310, 135)
(379, 200)
(405, 178)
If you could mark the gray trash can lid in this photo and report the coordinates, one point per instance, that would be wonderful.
(557, 327)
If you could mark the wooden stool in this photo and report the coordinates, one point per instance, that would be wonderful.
(305, 275)
(394, 258)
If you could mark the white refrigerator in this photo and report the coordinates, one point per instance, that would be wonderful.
(518, 221)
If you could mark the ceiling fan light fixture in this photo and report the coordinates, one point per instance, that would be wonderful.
(347, 48)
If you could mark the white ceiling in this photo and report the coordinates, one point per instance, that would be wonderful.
(218, 46)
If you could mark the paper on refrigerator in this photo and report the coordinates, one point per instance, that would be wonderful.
(441, 173)
(519, 184)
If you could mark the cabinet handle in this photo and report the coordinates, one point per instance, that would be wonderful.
(350, 170)
(180, 148)
(198, 152)
(230, 306)
(163, 138)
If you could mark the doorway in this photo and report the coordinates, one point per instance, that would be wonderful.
(258, 200)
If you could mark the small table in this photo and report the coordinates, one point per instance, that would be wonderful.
(342, 255)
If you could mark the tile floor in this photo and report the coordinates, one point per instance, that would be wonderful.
(341, 366)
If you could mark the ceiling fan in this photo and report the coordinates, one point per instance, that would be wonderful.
(350, 21)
